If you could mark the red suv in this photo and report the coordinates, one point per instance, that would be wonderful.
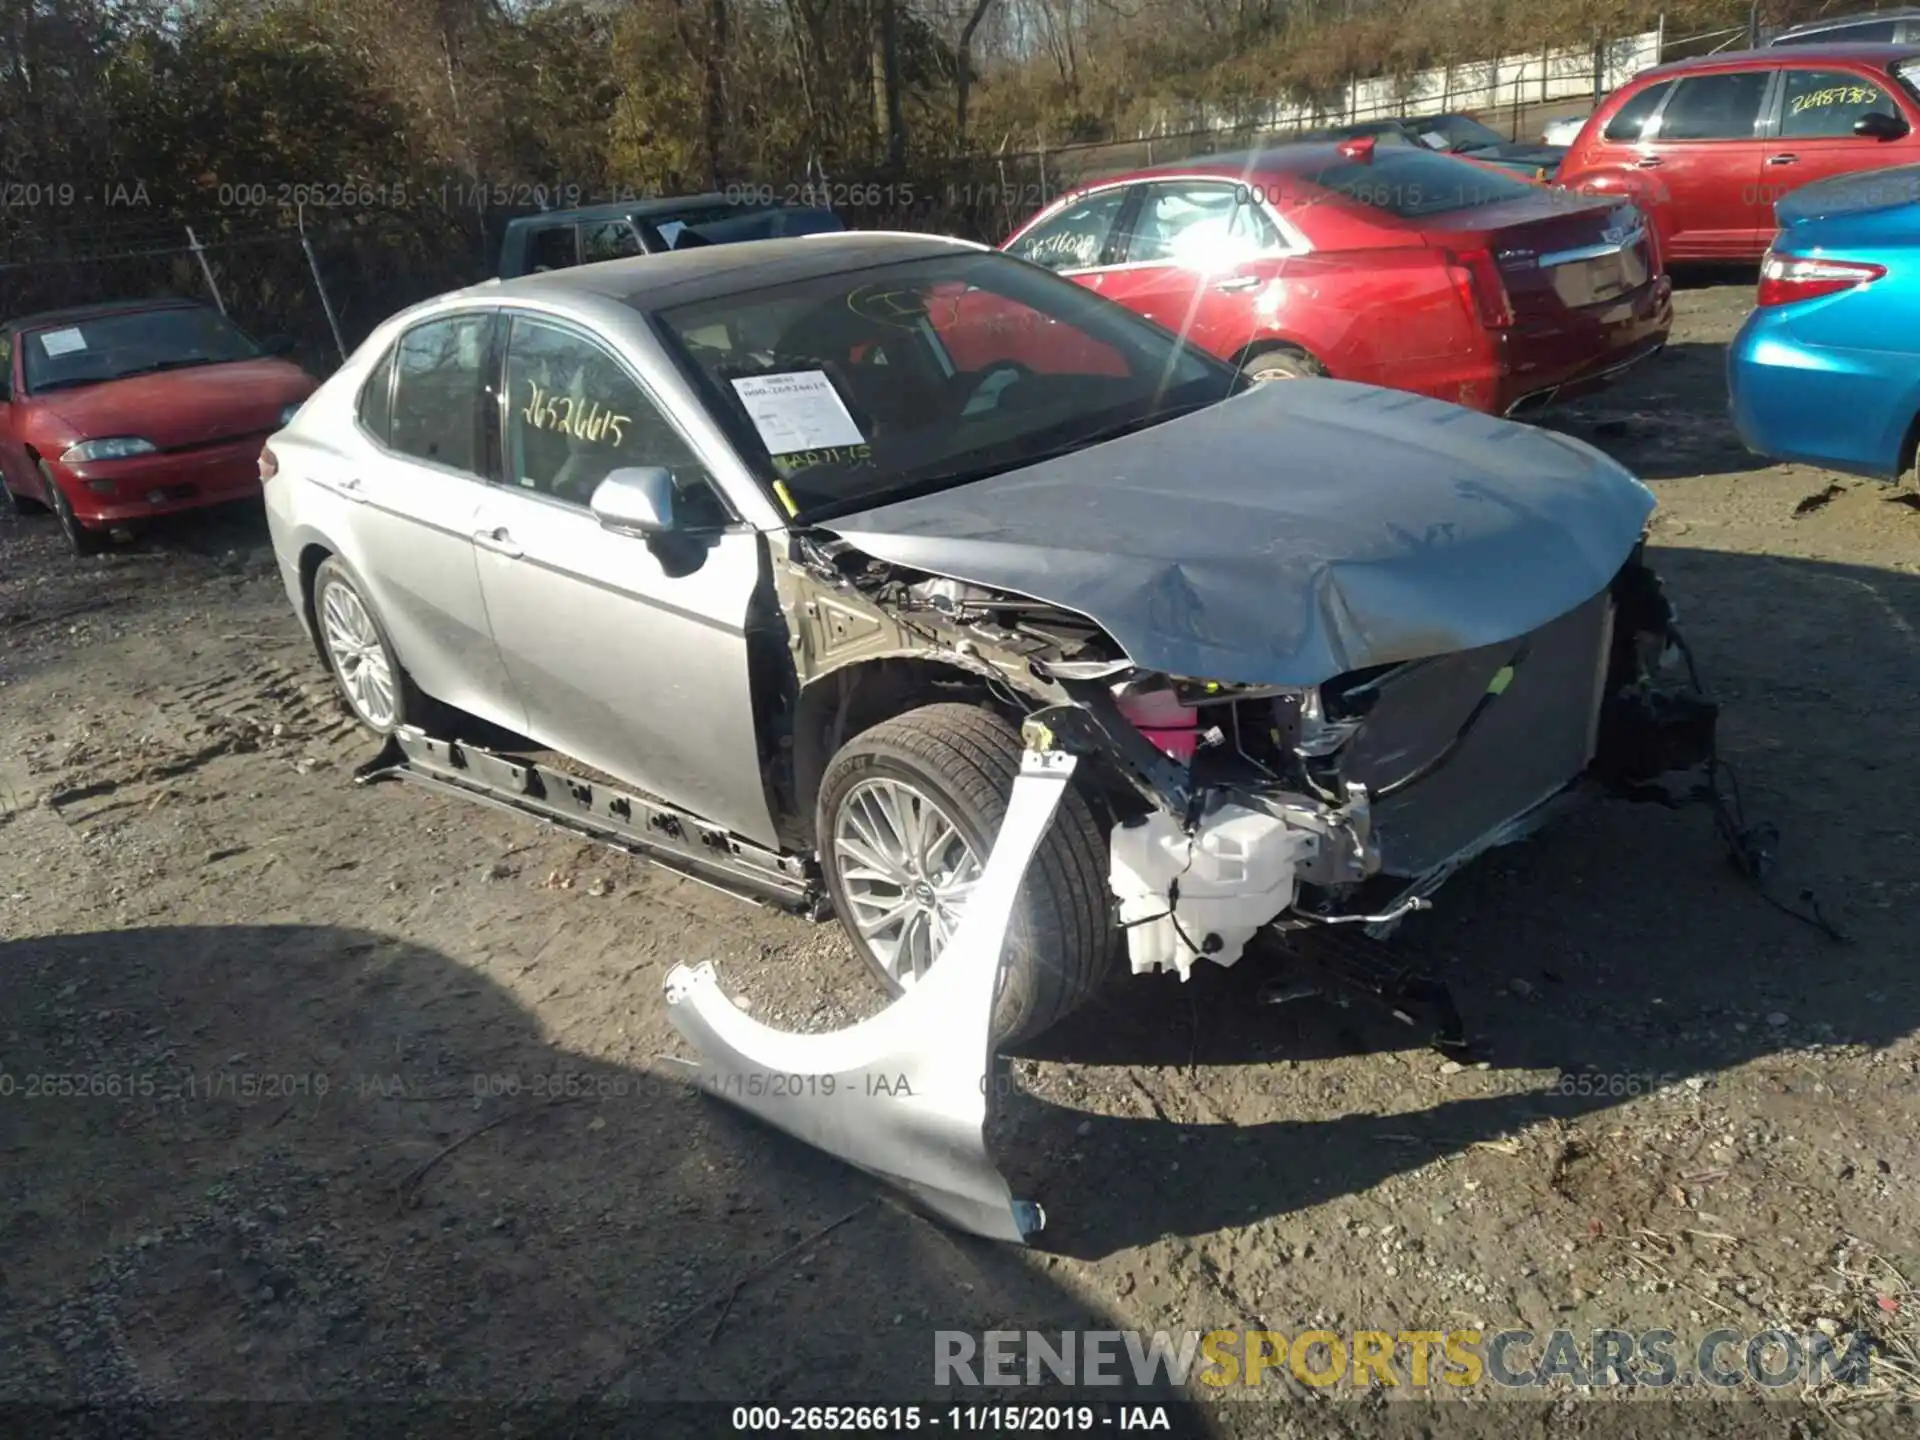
(1707, 146)
(1389, 264)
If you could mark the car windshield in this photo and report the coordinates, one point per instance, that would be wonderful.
(1412, 184)
(1457, 132)
(1907, 72)
(96, 348)
(853, 389)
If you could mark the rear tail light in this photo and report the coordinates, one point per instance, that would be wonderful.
(1785, 279)
(1477, 278)
(269, 466)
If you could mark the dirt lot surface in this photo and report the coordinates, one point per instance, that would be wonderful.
(1696, 1112)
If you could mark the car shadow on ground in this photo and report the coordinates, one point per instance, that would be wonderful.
(1666, 421)
(1619, 948)
(303, 1163)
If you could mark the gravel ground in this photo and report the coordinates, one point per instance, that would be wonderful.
(333, 1016)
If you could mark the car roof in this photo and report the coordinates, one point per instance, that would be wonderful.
(643, 208)
(1295, 158)
(74, 313)
(1854, 17)
(1778, 56)
(678, 277)
(1286, 157)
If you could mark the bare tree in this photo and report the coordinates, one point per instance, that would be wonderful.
(963, 63)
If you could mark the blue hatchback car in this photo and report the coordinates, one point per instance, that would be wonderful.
(1826, 370)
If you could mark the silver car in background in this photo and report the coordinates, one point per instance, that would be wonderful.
(787, 550)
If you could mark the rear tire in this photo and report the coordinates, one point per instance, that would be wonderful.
(961, 761)
(381, 695)
(81, 540)
(1283, 365)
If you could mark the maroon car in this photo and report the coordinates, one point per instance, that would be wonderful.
(1707, 146)
(115, 413)
(1389, 264)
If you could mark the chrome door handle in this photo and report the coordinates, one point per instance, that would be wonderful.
(1783, 159)
(1244, 282)
(1648, 162)
(498, 541)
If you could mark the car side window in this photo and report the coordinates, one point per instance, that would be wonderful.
(612, 240)
(6, 367)
(1076, 238)
(574, 415)
(1631, 118)
(1199, 223)
(436, 393)
(1824, 104)
(555, 247)
(376, 399)
(1715, 107)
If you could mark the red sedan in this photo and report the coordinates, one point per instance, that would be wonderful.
(1392, 264)
(112, 414)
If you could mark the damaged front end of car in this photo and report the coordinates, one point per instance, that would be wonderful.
(1351, 802)
(1239, 808)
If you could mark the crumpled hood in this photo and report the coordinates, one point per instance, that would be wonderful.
(1293, 533)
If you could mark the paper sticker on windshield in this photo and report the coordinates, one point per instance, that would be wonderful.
(797, 411)
(62, 342)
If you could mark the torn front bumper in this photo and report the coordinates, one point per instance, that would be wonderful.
(904, 1094)
(1395, 778)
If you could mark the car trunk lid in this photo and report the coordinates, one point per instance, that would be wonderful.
(1553, 256)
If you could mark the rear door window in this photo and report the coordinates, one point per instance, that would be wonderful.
(1631, 118)
(613, 240)
(1824, 104)
(1077, 238)
(1412, 183)
(1715, 107)
(555, 247)
(1200, 223)
(436, 394)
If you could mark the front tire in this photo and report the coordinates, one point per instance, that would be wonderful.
(81, 540)
(907, 815)
(377, 690)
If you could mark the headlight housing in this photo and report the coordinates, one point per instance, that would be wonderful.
(117, 447)
(286, 415)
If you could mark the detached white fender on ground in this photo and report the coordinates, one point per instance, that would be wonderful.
(902, 1095)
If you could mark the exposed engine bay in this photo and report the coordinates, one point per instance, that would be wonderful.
(1238, 807)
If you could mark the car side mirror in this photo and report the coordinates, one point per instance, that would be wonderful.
(1877, 125)
(635, 500)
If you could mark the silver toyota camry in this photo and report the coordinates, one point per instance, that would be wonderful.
(767, 561)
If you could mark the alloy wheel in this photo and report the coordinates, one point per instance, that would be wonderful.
(359, 658)
(906, 871)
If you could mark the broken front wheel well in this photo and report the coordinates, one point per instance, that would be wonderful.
(851, 700)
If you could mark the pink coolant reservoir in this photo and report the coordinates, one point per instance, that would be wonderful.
(1158, 714)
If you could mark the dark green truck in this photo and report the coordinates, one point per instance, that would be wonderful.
(556, 239)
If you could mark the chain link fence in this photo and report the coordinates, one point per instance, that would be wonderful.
(322, 283)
